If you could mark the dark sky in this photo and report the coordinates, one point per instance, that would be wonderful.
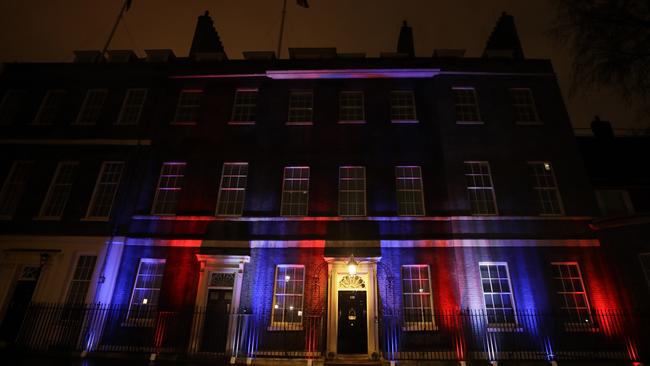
(49, 30)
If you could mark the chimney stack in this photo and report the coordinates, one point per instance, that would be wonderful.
(206, 39)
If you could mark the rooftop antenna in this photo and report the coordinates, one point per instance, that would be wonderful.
(125, 7)
(302, 3)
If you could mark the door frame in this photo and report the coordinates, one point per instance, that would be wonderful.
(224, 264)
(337, 269)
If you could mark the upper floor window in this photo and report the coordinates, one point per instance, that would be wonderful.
(49, 109)
(466, 106)
(106, 187)
(244, 108)
(480, 188)
(295, 191)
(351, 107)
(92, 106)
(523, 106)
(132, 107)
(410, 196)
(418, 303)
(288, 295)
(301, 107)
(352, 191)
(170, 183)
(80, 282)
(11, 105)
(232, 189)
(402, 106)
(14, 187)
(572, 295)
(614, 202)
(545, 187)
(188, 107)
(146, 291)
(59, 191)
(497, 293)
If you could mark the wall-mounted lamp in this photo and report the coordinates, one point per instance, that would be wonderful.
(352, 265)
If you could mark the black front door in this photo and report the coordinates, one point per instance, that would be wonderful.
(18, 304)
(215, 327)
(353, 329)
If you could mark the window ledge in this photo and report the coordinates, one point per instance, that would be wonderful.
(138, 323)
(580, 328)
(284, 328)
(300, 123)
(241, 123)
(505, 328)
(470, 122)
(405, 121)
(529, 123)
(182, 123)
(358, 122)
(428, 327)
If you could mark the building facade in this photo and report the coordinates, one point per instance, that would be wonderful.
(317, 207)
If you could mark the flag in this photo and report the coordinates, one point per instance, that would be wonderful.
(302, 3)
(128, 4)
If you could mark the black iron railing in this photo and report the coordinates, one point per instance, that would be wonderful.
(452, 335)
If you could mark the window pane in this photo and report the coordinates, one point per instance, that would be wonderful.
(301, 104)
(295, 191)
(170, 183)
(245, 106)
(466, 105)
(106, 187)
(188, 107)
(416, 292)
(288, 295)
(479, 188)
(351, 108)
(48, 111)
(545, 187)
(146, 289)
(497, 293)
(352, 191)
(91, 108)
(59, 191)
(132, 107)
(523, 106)
(81, 279)
(232, 189)
(570, 288)
(402, 106)
(14, 187)
(410, 196)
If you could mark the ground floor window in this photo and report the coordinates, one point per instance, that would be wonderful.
(571, 290)
(416, 292)
(288, 296)
(146, 291)
(497, 293)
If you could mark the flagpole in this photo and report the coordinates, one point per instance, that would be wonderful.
(284, 13)
(119, 17)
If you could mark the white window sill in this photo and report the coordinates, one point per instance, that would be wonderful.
(421, 327)
(285, 328)
(580, 328)
(470, 122)
(138, 323)
(241, 123)
(300, 123)
(359, 122)
(405, 121)
(504, 328)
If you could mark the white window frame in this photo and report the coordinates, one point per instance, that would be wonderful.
(125, 104)
(53, 183)
(418, 191)
(292, 107)
(5, 100)
(72, 279)
(532, 105)
(180, 105)
(589, 322)
(412, 107)
(424, 324)
(45, 104)
(236, 103)
(222, 189)
(547, 166)
(10, 181)
(288, 193)
(282, 324)
(84, 106)
(490, 188)
(93, 199)
(363, 107)
(137, 321)
(175, 188)
(626, 199)
(473, 105)
(349, 190)
(507, 325)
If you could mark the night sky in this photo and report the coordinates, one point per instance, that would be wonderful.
(49, 30)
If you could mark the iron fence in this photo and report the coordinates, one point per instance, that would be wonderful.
(452, 335)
